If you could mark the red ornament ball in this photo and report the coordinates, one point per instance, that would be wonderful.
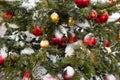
(102, 18)
(82, 3)
(72, 39)
(90, 41)
(69, 73)
(26, 75)
(55, 41)
(2, 60)
(93, 15)
(60, 42)
(111, 1)
(8, 15)
(37, 31)
(106, 43)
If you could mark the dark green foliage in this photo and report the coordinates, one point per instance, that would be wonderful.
(86, 60)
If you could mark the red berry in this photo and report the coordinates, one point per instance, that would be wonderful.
(37, 31)
(102, 18)
(106, 43)
(93, 15)
(82, 3)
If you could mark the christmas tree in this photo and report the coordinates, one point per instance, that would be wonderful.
(59, 40)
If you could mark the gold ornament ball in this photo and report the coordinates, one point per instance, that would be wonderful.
(44, 44)
(71, 22)
(54, 17)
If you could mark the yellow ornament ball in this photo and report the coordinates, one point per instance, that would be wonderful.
(54, 17)
(71, 22)
(44, 44)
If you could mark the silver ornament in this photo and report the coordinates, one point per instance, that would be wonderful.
(38, 71)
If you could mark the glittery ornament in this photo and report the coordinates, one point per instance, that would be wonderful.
(54, 17)
(38, 71)
(92, 15)
(102, 18)
(44, 44)
(82, 3)
(71, 21)
(37, 31)
(69, 73)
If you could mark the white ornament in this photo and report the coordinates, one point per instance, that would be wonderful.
(69, 71)
(27, 51)
(110, 77)
(49, 77)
